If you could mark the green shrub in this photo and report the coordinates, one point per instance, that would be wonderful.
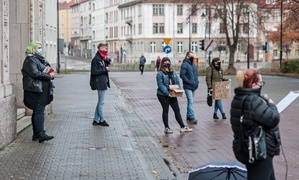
(290, 66)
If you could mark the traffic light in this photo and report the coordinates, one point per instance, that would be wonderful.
(202, 44)
(265, 47)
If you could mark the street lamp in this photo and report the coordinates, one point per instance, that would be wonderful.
(190, 33)
(209, 29)
(280, 56)
(247, 11)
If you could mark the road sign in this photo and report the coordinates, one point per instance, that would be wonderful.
(167, 49)
(208, 47)
(166, 40)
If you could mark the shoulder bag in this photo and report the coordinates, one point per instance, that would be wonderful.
(209, 95)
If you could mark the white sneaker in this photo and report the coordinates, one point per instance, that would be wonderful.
(186, 129)
(168, 130)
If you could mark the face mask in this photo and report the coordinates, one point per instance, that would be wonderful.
(167, 65)
(191, 58)
(219, 64)
(39, 52)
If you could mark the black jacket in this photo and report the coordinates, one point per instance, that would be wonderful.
(256, 112)
(33, 74)
(99, 78)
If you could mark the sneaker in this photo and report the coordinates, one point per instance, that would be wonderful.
(186, 129)
(104, 123)
(168, 130)
(95, 123)
(192, 120)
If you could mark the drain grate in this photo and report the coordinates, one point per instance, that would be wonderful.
(97, 148)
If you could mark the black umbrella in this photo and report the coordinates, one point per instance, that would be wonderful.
(219, 171)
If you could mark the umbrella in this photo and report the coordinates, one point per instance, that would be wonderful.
(219, 171)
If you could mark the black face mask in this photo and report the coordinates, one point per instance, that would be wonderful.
(167, 65)
(191, 58)
(219, 64)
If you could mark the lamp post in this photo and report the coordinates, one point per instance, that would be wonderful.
(58, 55)
(190, 33)
(209, 29)
(247, 11)
(280, 56)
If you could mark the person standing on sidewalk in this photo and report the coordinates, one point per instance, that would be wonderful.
(142, 61)
(189, 75)
(214, 73)
(99, 80)
(165, 77)
(38, 88)
(158, 62)
(257, 110)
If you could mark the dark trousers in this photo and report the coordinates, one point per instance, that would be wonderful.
(141, 68)
(173, 102)
(38, 119)
(261, 170)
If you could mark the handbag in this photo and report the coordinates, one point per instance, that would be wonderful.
(209, 98)
(209, 95)
(256, 144)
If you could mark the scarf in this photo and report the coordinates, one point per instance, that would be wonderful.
(103, 54)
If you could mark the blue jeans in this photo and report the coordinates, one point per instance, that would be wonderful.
(190, 98)
(99, 113)
(38, 119)
(218, 105)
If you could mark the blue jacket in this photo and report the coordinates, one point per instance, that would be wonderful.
(163, 82)
(189, 75)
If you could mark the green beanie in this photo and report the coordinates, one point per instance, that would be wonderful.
(31, 48)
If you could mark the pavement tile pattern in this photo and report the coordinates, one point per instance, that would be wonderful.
(134, 146)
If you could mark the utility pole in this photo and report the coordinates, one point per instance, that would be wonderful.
(280, 56)
(58, 54)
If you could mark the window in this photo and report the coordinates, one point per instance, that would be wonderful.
(297, 52)
(139, 10)
(139, 28)
(153, 47)
(194, 28)
(180, 28)
(111, 32)
(180, 10)
(180, 47)
(194, 46)
(158, 28)
(275, 52)
(222, 29)
(245, 28)
(158, 9)
(270, 1)
(115, 31)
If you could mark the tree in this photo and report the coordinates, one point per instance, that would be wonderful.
(290, 27)
(231, 17)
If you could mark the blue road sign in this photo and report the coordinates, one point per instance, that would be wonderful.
(167, 49)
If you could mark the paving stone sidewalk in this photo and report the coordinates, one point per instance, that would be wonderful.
(125, 150)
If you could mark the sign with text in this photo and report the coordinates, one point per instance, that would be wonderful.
(221, 90)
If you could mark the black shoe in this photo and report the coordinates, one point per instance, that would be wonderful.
(215, 116)
(104, 123)
(95, 123)
(43, 137)
(34, 137)
(192, 120)
(223, 116)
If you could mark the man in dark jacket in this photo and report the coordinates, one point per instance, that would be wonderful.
(142, 61)
(99, 80)
(189, 76)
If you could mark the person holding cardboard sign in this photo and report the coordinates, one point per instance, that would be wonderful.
(214, 73)
(166, 77)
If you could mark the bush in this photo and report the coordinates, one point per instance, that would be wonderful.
(290, 66)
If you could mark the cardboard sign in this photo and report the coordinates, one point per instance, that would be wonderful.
(221, 90)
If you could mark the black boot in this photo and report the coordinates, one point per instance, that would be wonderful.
(215, 116)
(223, 116)
(34, 137)
(42, 136)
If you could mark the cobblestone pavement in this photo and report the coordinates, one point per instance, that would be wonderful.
(209, 140)
(134, 146)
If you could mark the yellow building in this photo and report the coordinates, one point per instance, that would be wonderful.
(65, 23)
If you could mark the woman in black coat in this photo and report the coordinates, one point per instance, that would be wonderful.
(38, 88)
(257, 111)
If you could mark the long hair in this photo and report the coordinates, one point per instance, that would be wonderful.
(31, 48)
(247, 78)
(162, 68)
